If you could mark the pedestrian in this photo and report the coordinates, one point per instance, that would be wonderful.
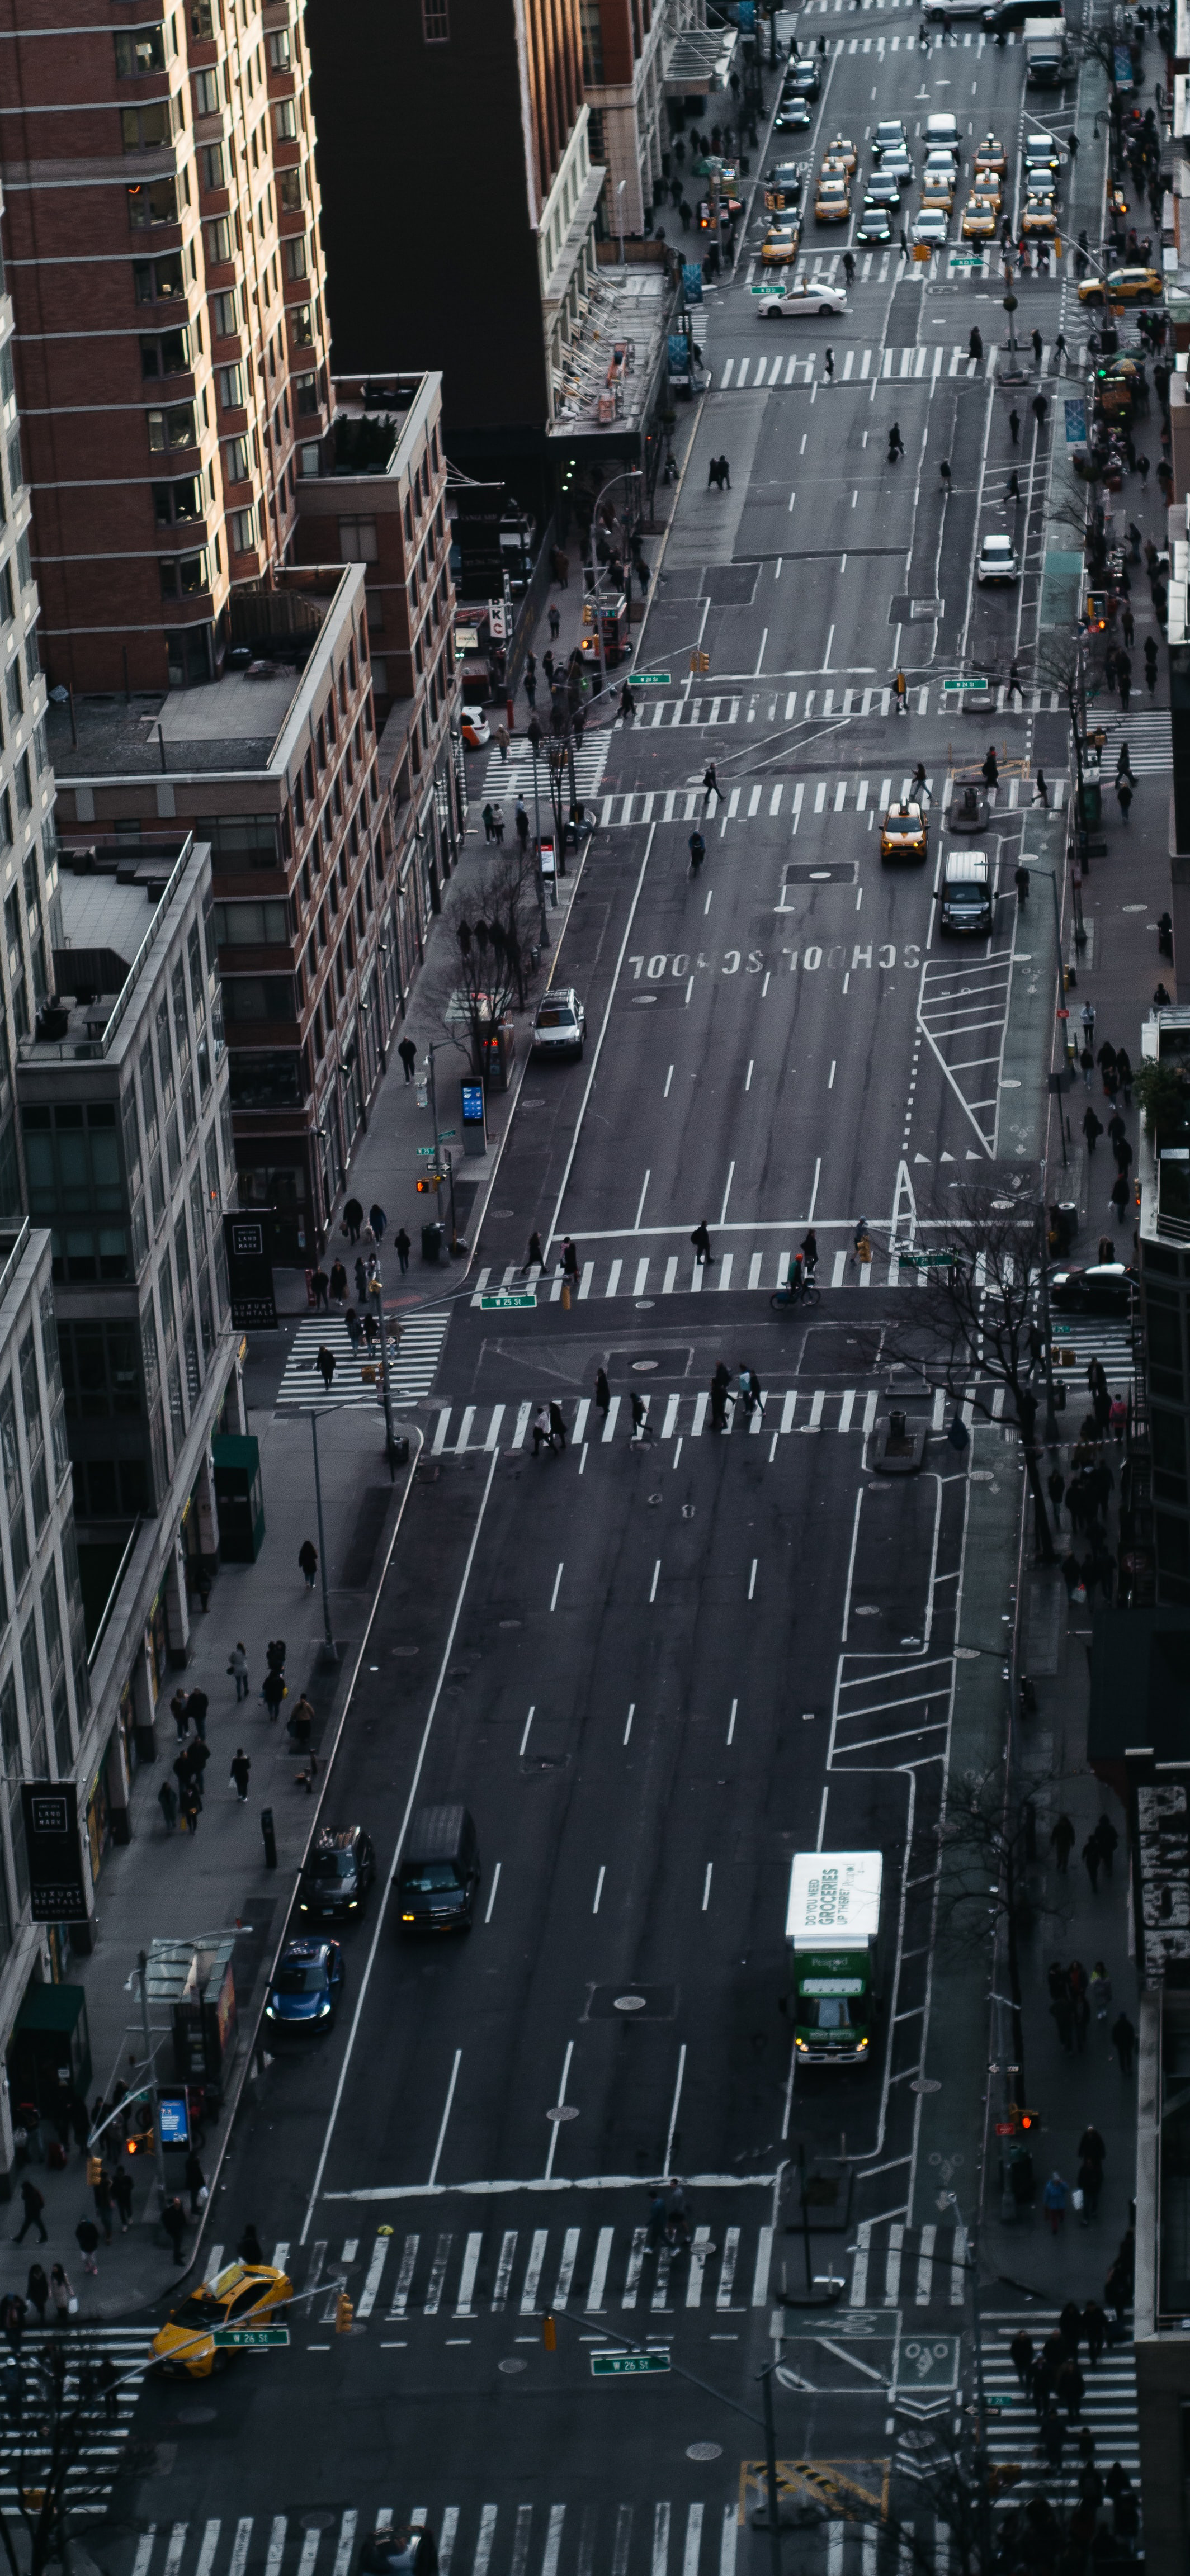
(173, 2220)
(640, 1423)
(975, 347)
(1092, 1127)
(249, 2247)
(1039, 408)
(101, 2194)
(196, 2183)
(1060, 353)
(1014, 425)
(1121, 1194)
(1021, 2355)
(603, 1393)
(557, 1428)
(308, 1561)
(240, 1769)
(33, 2203)
(353, 1218)
(198, 1705)
(272, 1692)
(702, 1243)
(1105, 1832)
(1099, 1992)
(338, 1282)
(1041, 793)
(61, 2293)
(498, 825)
(1123, 2039)
(320, 1285)
(168, 1804)
(720, 1384)
(403, 1249)
(1072, 2387)
(829, 365)
(1038, 347)
(1054, 2202)
(1062, 1841)
(408, 1055)
(325, 1365)
(87, 2237)
(377, 1220)
(1090, 2184)
(37, 2291)
(122, 2195)
(1056, 1488)
(751, 1396)
(533, 1259)
(555, 623)
(541, 1429)
(1051, 2437)
(1091, 1858)
(180, 1712)
(572, 1269)
(901, 692)
(944, 471)
(710, 783)
(191, 1805)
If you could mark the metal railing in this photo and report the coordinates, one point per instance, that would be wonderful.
(16, 1256)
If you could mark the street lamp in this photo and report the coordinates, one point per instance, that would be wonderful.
(621, 184)
(328, 1652)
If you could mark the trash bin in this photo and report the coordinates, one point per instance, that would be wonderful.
(1065, 1223)
(432, 1237)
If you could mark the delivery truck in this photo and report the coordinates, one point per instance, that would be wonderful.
(1047, 58)
(833, 1935)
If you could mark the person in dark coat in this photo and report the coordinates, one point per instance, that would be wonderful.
(353, 1218)
(308, 1561)
(272, 1693)
(37, 2291)
(173, 2220)
(1123, 2038)
(1095, 2330)
(33, 2203)
(122, 2196)
(249, 2247)
(196, 2181)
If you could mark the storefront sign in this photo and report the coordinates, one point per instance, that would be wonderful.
(57, 1889)
(249, 1241)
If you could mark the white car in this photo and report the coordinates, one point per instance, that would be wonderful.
(930, 226)
(997, 560)
(559, 1023)
(808, 295)
(475, 728)
(897, 161)
(888, 137)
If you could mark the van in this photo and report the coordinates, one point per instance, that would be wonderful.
(966, 893)
(941, 132)
(438, 1879)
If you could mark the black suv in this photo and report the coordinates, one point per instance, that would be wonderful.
(337, 1876)
(802, 80)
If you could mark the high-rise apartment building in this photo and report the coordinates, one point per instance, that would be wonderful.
(163, 242)
(498, 84)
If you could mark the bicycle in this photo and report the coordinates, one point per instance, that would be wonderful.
(804, 1292)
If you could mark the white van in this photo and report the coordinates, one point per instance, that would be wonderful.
(941, 132)
(966, 893)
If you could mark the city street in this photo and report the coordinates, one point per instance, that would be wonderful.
(655, 1669)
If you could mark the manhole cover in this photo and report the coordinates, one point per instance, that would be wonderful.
(643, 2002)
(197, 2415)
(316, 2521)
(704, 2450)
(644, 1001)
(640, 1366)
(406, 1650)
(631, 2003)
(511, 2366)
(562, 2111)
(925, 2084)
(501, 1211)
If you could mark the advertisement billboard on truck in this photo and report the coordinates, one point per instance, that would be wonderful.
(833, 1934)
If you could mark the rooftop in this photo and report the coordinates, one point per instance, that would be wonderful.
(117, 897)
(235, 723)
(607, 371)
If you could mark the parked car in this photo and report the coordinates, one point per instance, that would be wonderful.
(1104, 1288)
(475, 729)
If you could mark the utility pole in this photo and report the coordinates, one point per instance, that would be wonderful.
(142, 1962)
(375, 1285)
(328, 1652)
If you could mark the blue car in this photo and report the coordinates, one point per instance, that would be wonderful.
(308, 1984)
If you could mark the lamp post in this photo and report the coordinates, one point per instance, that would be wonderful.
(375, 1286)
(328, 1652)
(534, 737)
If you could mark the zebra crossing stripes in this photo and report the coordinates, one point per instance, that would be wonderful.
(758, 1271)
(1108, 2408)
(514, 777)
(673, 1417)
(92, 2474)
(666, 2537)
(601, 2270)
(413, 1360)
(1075, 1345)
(1149, 736)
(792, 798)
(769, 704)
(782, 367)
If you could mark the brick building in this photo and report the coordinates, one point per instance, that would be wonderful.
(163, 243)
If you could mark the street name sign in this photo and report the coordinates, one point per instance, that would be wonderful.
(425, 1150)
(626, 2365)
(648, 680)
(927, 1260)
(965, 259)
(497, 1304)
(981, 683)
(254, 2336)
(444, 1134)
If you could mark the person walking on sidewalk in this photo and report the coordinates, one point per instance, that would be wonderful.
(1090, 2183)
(1056, 1489)
(1108, 1841)
(101, 2194)
(1091, 1860)
(1092, 1128)
(37, 2291)
(408, 1055)
(168, 1804)
(1099, 1991)
(1095, 2331)
(196, 2182)
(240, 1771)
(173, 2220)
(238, 1668)
(273, 1692)
(197, 1706)
(325, 1365)
(87, 2239)
(308, 1561)
(122, 2195)
(1053, 2200)
(33, 2203)
(1123, 2040)
(1062, 1841)
(404, 1248)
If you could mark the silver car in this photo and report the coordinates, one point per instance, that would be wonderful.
(559, 1023)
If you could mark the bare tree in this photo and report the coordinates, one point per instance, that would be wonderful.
(974, 1328)
(61, 2406)
(989, 1849)
(484, 963)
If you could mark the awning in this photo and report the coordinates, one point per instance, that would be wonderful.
(700, 61)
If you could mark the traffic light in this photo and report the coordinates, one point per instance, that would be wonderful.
(549, 2333)
(94, 2171)
(1024, 2123)
(344, 2314)
(1096, 610)
(429, 1181)
(700, 661)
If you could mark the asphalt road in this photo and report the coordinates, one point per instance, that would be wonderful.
(655, 1672)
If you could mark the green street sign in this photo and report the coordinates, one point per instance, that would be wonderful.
(496, 1303)
(648, 679)
(999, 2404)
(965, 259)
(626, 2365)
(425, 1151)
(254, 2337)
(445, 1133)
(956, 688)
(925, 1260)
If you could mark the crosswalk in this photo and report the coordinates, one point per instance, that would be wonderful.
(1149, 737)
(522, 2271)
(1076, 1344)
(781, 368)
(673, 1274)
(355, 1381)
(680, 1416)
(865, 794)
(1108, 2409)
(666, 2538)
(92, 2474)
(514, 777)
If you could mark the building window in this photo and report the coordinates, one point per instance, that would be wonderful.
(279, 52)
(358, 541)
(159, 281)
(140, 50)
(207, 101)
(301, 327)
(231, 388)
(224, 314)
(285, 121)
(10, 1455)
(176, 503)
(435, 22)
(146, 129)
(252, 925)
(305, 389)
(289, 191)
(297, 261)
(214, 171)
(154, 203)
(184, 576)
(173, 428)
(219, 241)
(237, 464)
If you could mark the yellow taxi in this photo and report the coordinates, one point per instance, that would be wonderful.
(1040, 216)
(903, 833)
(780, 242)
(841, 148)
(834, 166)
(938, 191)
(988, 190)
(1124, 286)
(832, 201)
(991, 155)
(242, 2294)
(979, 220)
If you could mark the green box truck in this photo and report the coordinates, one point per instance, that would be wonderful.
(832, 1932)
